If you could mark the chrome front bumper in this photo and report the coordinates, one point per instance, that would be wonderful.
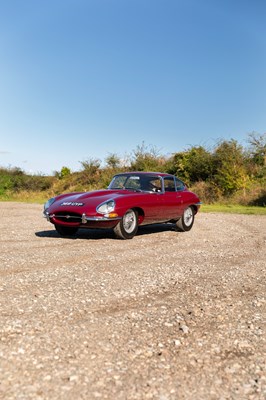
(83, 219)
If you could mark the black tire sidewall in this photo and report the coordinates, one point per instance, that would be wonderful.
(120, 230)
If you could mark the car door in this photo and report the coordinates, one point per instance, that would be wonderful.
(171, 200)
(151, 198)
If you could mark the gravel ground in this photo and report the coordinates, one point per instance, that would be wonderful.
(166, 315)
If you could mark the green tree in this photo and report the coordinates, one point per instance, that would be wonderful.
(91, 170)
(194, 164)
(257, 157)
(65, 171)
(147, 159)
(112, 161)
(230, 167)
(91, 166)
(258, 147)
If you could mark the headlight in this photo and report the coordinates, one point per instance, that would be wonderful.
(49, 203)
(106, 207)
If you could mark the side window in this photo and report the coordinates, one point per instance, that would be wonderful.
(151, 184)
(179, 184)
(156, 184)
(169, 184)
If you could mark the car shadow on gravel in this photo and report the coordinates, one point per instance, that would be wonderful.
(96, 234)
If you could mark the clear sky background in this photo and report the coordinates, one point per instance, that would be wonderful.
(82, 79)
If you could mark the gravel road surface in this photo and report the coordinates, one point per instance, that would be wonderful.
(165, 316)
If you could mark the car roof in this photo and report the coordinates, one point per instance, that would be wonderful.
(162, 174)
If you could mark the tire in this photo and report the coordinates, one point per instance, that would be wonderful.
(66, 230)
(128, 226)
(186, 222)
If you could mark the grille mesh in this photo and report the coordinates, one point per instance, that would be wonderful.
(68, 217)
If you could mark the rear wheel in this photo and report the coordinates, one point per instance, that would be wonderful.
(66, 230)
(185, 223)
(128, 226)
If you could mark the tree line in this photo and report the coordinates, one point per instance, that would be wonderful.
(226, 172)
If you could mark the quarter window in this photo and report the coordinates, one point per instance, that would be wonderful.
(179, 184)
(169, 184)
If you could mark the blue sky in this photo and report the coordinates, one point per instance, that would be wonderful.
(82, 79)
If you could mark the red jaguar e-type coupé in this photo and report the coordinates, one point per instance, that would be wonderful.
(132, 199)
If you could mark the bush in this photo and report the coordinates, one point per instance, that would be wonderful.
(259, 201)
(207, 192)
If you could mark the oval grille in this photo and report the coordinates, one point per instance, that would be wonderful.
(68, 217)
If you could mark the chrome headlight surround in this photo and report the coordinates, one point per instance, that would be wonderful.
(106, 207)
(49, 203)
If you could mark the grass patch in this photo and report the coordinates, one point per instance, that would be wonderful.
(233, 209)
(25, 197)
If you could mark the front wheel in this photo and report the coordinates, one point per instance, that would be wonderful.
(128, 226)
(66, 230)
(185, 223)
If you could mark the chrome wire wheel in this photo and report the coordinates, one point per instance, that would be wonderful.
(188, 216)
(128, 226)
(129, 221)
(185, 223)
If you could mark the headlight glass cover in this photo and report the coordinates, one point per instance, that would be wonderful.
(49, 203)
(106, 207)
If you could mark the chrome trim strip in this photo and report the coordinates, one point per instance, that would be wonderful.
(102, 218)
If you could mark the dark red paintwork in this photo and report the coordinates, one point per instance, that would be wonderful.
(151, 206)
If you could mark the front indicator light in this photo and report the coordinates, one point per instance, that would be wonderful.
(112, 215)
